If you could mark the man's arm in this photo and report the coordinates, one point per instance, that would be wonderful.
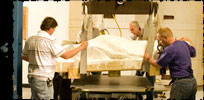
(189, 42)
(71, 53)
(151, 61)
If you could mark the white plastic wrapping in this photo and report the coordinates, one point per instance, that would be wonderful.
(109, 52)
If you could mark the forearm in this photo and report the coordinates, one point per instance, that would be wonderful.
(71, 53)
(154, 63)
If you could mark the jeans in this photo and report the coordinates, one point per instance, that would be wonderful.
(40, 89)
(184, 89)
(150, 94)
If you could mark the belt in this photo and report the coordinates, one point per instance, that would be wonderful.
(191, 76)
(49, 81)
(187, 77)
(39, 77)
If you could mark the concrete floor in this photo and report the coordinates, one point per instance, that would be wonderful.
(199, 96)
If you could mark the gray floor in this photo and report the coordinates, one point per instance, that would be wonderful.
(27, 94)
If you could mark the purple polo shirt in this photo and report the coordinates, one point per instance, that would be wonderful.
(178, 57)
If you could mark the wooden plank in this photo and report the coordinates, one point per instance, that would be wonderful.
(75, 19)
(25, 23)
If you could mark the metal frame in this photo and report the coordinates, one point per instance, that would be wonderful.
(115, 7)
(17, 49)
(98, 86)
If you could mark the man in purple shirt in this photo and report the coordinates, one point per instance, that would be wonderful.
(177, 56)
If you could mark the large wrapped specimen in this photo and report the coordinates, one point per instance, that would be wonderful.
(106, 53)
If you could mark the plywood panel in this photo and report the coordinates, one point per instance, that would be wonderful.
(75, 10)
(25, 23)
(75, 24)
(73, 33)
(75, 19)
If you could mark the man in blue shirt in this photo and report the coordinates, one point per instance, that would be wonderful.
(177, 55)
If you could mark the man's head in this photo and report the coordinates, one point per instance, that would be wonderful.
(165, 36)
(135, 28)
(48, 24)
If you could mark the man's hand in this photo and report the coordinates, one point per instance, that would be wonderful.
(146, 57)
(71, 53)
(153, 62)
(84, 45)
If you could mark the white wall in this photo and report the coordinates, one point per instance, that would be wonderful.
(37, 11)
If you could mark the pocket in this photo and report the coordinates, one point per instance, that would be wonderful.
(39, 84)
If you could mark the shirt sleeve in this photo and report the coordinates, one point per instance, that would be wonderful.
(56, 49)
(165, 59)
(192, 50)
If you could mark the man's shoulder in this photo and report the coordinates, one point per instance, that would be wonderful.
(40, 38)
(31, 37)
(173, 47)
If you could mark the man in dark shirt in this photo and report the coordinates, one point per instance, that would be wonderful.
(177, 55)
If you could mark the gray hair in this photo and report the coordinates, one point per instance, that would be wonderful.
(135, 23)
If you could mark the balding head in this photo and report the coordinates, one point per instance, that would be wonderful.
(165, 36)
(165, 32)
(135, 23)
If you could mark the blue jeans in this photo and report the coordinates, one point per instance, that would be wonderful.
(39, 89)
(184, 89)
